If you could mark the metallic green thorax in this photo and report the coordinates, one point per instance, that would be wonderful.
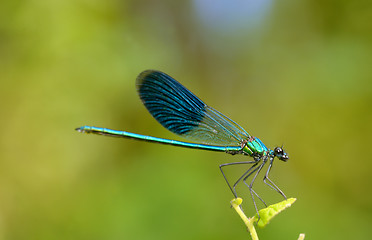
(254, 147)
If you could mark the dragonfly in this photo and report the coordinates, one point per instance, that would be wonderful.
(183, 113)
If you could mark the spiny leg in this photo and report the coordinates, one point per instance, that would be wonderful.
(250, 186)
(246, 174)
(235, 163)
(272, 184)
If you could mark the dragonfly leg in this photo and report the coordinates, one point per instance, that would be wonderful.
(249, 172)
(235, 163)
(250, 186)
(272, 184)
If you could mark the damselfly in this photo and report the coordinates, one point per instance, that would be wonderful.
(183, 113)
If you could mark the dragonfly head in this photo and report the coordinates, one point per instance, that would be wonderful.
(279, 153)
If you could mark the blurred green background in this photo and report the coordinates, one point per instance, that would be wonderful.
(289, 72)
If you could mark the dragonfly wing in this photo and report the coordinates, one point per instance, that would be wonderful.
(183, 113)
(216, 127)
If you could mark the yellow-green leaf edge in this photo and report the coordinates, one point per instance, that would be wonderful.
(271, 211)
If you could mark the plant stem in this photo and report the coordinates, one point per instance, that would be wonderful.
(235, 203)
(301, 237)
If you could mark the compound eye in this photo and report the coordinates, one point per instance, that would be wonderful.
(278, 150)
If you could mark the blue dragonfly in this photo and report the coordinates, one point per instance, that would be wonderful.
(183, 113)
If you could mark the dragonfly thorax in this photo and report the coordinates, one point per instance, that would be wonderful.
(254, 147)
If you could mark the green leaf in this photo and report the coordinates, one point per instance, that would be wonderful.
(271, 211)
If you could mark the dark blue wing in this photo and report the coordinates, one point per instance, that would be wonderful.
(181, 112)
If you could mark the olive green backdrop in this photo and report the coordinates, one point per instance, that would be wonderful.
(289, 72)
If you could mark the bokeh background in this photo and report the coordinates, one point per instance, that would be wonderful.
(296, 73)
